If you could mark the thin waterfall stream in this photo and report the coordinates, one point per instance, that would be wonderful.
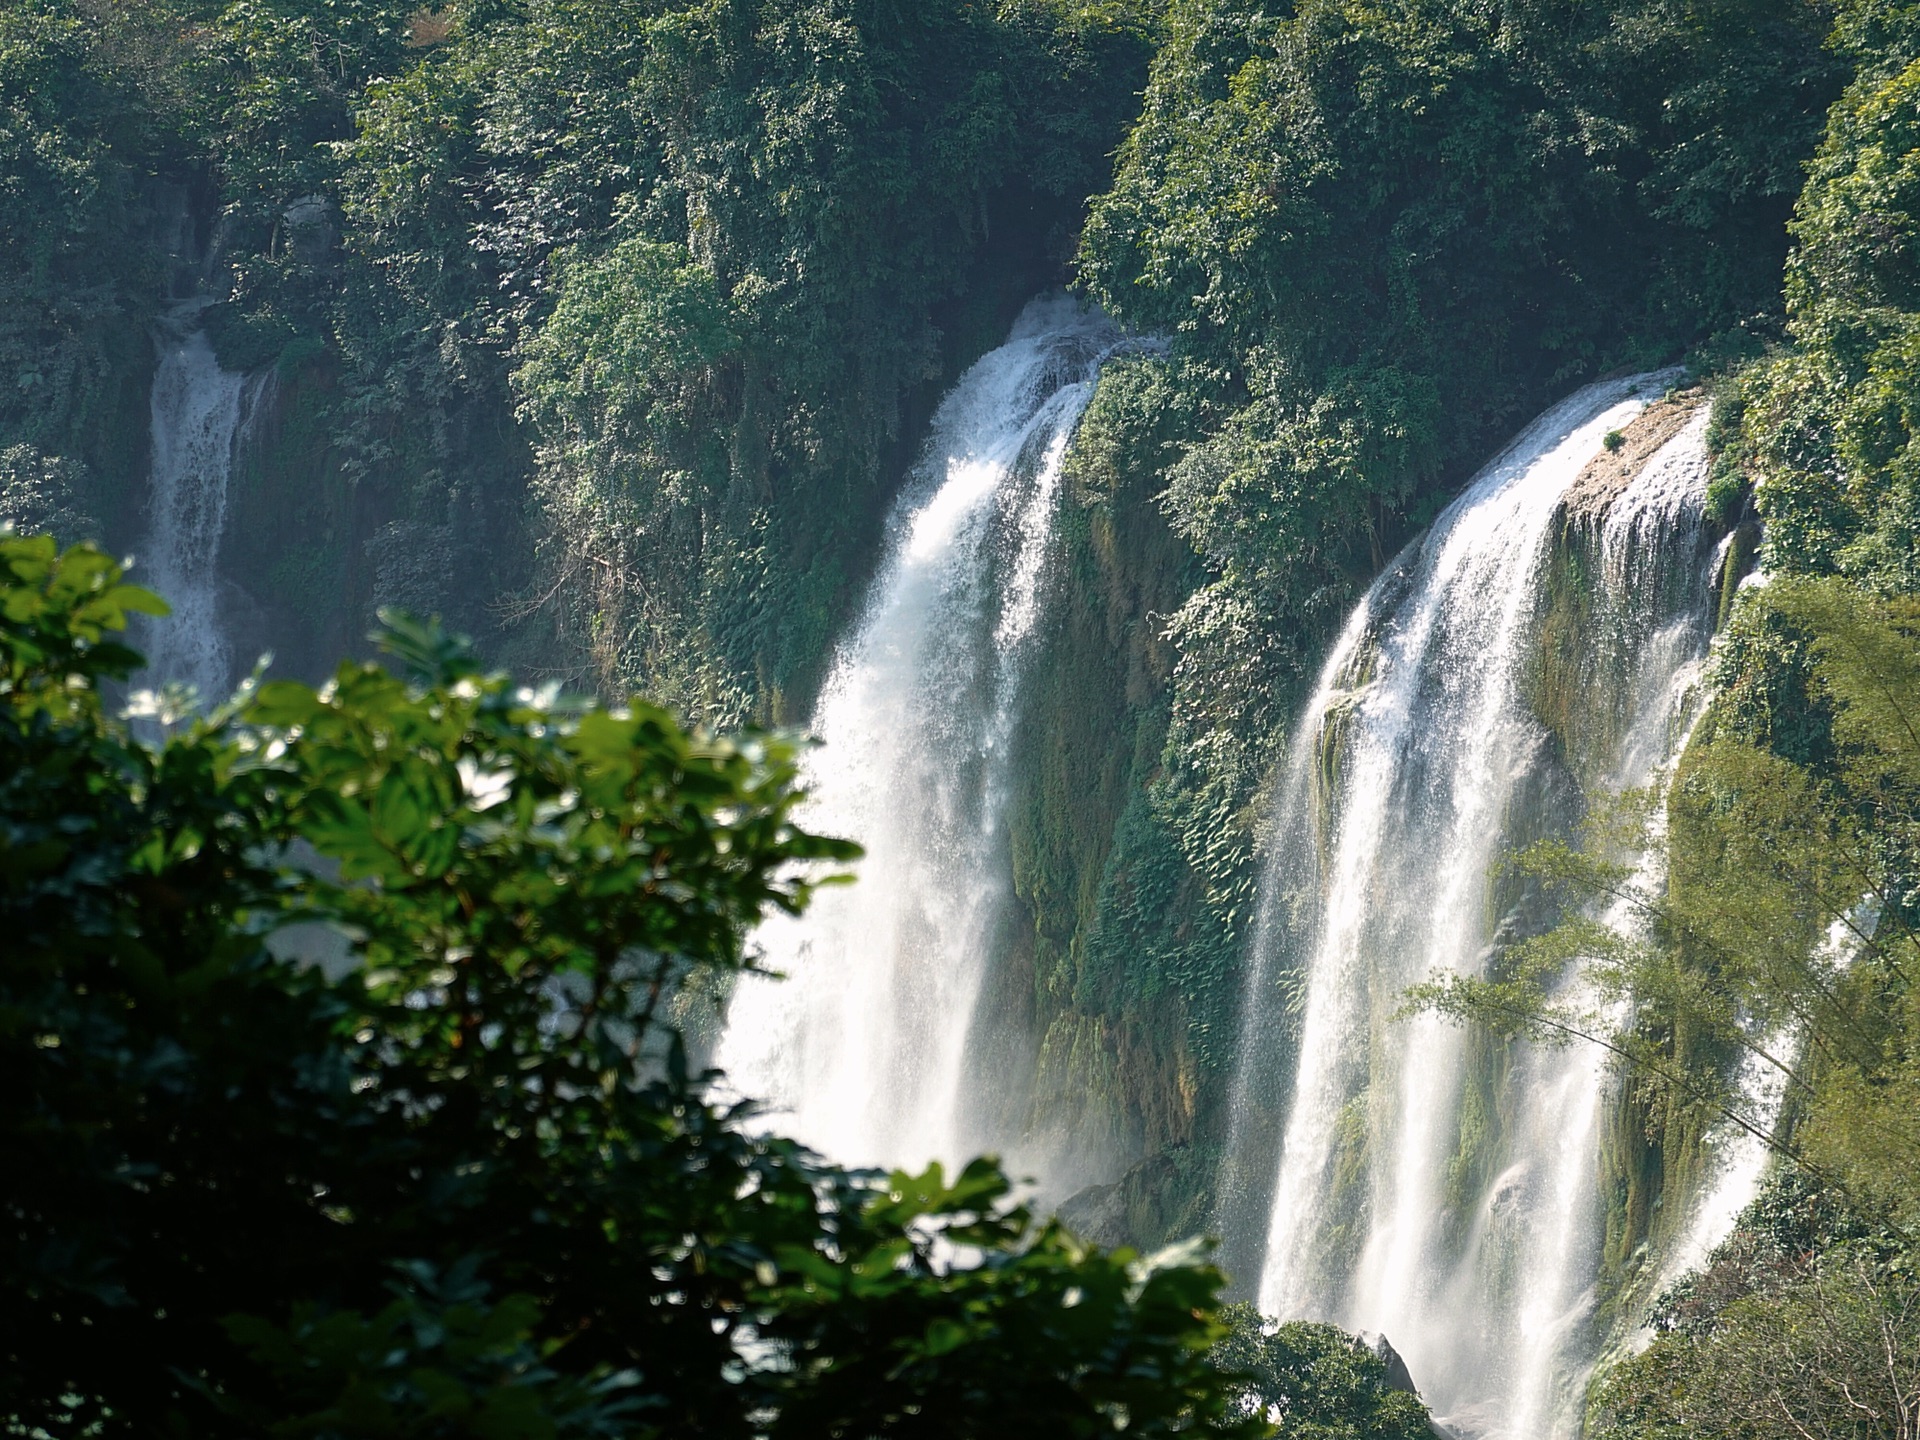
(198, 415)
(1540, 647)
(862, 1050)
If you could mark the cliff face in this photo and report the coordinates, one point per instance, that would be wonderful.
(1089, 865)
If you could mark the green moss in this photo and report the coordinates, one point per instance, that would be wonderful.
(1344, 1221)
(1479, 1134)
(247, 341)
(1078, 1089)
(1743, 548)
(293, 537)
(1331, 739)
(1559, 683)
(1123, 933)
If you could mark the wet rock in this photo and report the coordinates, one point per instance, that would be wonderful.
(311, 229)
(1097, 1214)
(1400, 1378)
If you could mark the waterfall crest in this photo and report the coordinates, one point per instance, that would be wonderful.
(198, 411)
(862, 1051)
(1539, 645)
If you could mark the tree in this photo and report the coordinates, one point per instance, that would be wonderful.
(1797, 1327)
(1828, 427)
(338, 1101)
(1316, 1382)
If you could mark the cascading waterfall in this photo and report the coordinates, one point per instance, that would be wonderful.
(862, 1051)
(198, 410)
(1430, 1186)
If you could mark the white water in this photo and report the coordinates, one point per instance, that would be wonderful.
(1417, 765)
(197, 411)
(862, 1051)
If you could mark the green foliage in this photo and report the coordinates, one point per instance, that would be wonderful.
(441, 1359)
(1786, 935)
(273, 84)
(1377, 236)
(1381, 232)
(644, 301)
(1130, 898)
(76, 269)
(620, 363)
(1829, 424)
(43, 494)
(401, 209)
(804, 197)
(61, 608)
(1799, 1326)
(1316, 1383)
(336, 1104)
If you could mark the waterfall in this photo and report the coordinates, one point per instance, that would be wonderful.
(1541, 644)
(198, 410)
(861, 1052)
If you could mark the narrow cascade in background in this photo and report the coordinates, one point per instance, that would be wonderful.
(862, 1050)
(1540, 646)
(198, 411)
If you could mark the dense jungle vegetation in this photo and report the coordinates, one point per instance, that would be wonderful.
(604, 329)
(637, 303)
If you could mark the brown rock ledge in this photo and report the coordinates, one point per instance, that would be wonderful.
(1611, 471)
